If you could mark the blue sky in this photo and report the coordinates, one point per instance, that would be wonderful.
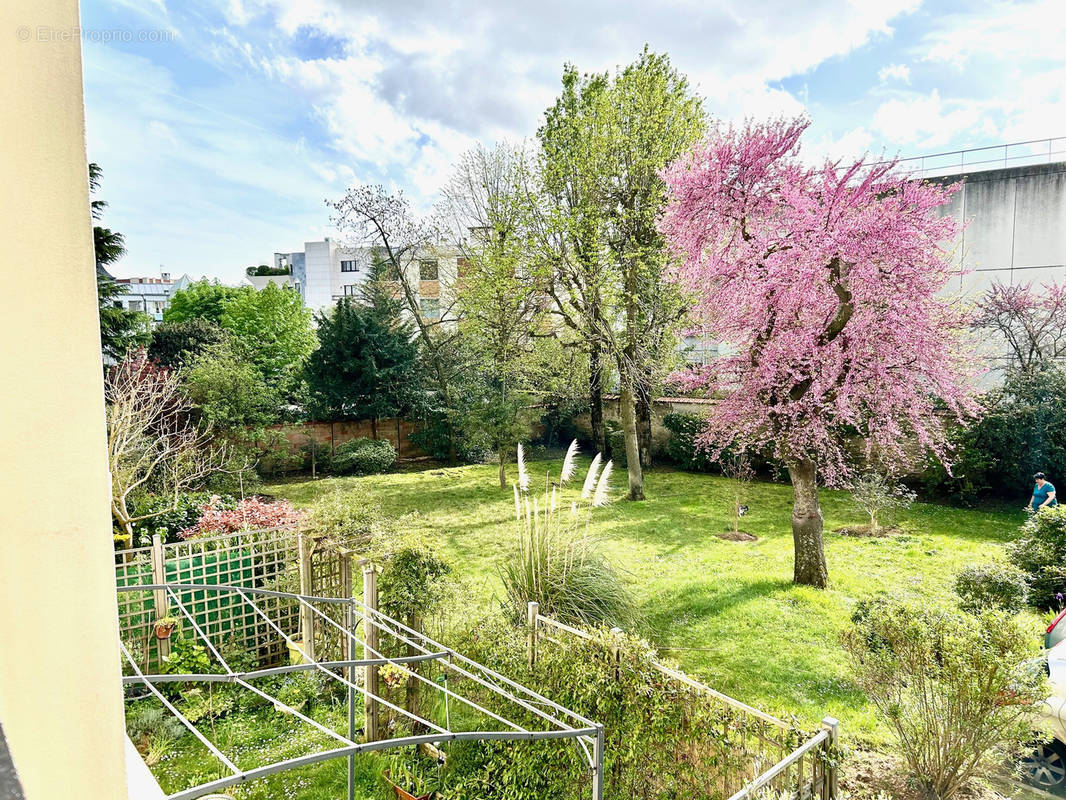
(221, 143)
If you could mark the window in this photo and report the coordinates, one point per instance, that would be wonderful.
(427, 270)
(349, 289)
(349, 266)
(136, 305)
(430, 307)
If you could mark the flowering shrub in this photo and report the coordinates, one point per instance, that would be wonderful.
(248, 515)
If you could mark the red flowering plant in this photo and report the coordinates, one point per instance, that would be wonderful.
(251, 514)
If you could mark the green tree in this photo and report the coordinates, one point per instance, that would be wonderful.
(272, 329)
(175, 344)
(605, 142)
(501, 294)
(202, 300)
(120, 329)
(365, 367)
(229, 391)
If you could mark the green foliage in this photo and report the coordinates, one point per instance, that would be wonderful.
(992, 586)
(877, 494)
(366, 365)
(230, 392)
(202, 300)
(661, 740)
(175, 344)
(1040, 553)
(616, 441)
(145, 720)
(1023, 431)
(558, 565)
(266, 269)
(950, 686)
(170, 523)
(363, 457)
(187, 657)
(272, 329)
(412, 581)
(681, 447)
(121, 330)
(351, 519)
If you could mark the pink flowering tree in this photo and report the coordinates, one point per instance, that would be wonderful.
(1031, 320)
(825, 285)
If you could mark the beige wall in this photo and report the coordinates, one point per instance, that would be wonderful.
(60, 699)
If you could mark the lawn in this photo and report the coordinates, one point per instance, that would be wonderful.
(726, 611)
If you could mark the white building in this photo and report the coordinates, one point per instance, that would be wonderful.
(149, 296)
(327, 271)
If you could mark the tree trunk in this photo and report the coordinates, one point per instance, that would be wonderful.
(644, 422)
(373, 427)
(599, 438)
(810, 568)
(503, 471)
(629, 428)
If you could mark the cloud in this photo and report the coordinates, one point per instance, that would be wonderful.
(894, 72)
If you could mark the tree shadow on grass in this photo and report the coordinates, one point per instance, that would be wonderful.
(668, 612)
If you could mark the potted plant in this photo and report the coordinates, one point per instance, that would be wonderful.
(164, 626)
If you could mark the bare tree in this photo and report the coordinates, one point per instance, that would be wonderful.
(1031, 321)
(152, 440)
(371, 215)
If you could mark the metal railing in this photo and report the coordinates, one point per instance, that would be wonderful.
(976, 159)
(774, 765)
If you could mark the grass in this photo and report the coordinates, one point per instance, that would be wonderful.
(726, 611)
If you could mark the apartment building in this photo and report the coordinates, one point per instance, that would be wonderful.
(327, 271)
(149, 296)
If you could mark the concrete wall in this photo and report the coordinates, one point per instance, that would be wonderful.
(1017, 228)
(60, 692)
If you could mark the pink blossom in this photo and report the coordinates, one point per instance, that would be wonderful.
(826, 283)
(250, 514)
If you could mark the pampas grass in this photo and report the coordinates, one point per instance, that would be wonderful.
(558, 564)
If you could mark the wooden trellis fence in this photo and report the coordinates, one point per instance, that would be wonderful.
(279, 559)
(772, 765)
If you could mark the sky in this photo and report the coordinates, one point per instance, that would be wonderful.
(223, 127)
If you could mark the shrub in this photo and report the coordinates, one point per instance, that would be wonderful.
(170, 524)
(252, 514)
(412, 582)
(951, 687)
(681, 447)
(349, 519)
(662, 740)
(616, 441)
(364, 457)
(877, 494)
(557, 565)
(1040, 552)
(992, 586)
(1022, 431)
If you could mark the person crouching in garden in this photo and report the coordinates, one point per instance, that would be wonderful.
(1043, 494)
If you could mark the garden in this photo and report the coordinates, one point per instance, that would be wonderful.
(772, 548)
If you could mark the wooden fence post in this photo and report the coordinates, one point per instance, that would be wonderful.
(159, 596)
(370, 633)
(307, 620)
(532, 612)
(832, 725)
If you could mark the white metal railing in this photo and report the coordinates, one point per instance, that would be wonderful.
(975, 159)
(809, 767)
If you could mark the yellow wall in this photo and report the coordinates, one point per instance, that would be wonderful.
(60, 699)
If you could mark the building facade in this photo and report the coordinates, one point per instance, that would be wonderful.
(328, 271)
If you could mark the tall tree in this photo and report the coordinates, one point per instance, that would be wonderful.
(175, 344)
(401, 239)
(617, 136)
(120, 328)
(272, 329)
(202, 300)
(501, 295)
(152, 441)
(1032, 322)
(365, 367)
(827, 283)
